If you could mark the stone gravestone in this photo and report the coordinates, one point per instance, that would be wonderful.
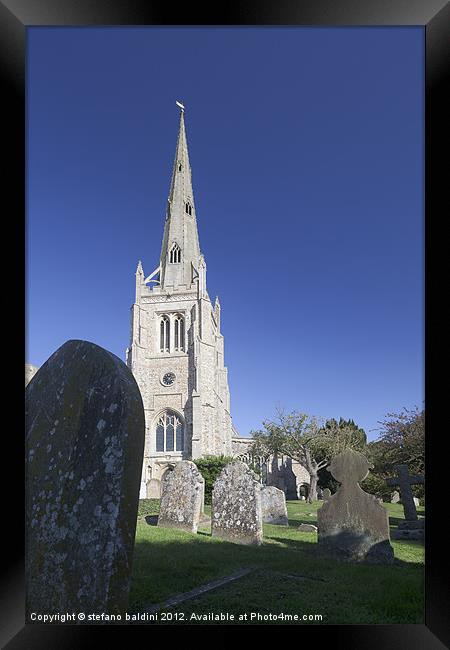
(153, 489)
(412, 527)
(182, 492)
(404, 480)
(84, 451)
(236, 514)
(395, 497)
(352, 524)
(326, 494)
(273, 504)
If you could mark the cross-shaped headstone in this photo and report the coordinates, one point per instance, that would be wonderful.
(404, 480)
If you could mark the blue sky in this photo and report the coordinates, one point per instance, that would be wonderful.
(306, 146)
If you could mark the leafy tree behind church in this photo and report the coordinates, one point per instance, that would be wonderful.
(347, 434)
(401, 441)
(307, 440)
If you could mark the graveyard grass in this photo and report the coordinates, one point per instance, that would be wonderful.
(288, 576)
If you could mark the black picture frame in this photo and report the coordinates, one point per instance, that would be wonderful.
(15, 18)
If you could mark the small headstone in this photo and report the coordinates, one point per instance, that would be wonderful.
(416, 502)
(236, 514)
(84, 451)
(326, 494)
(352, 524)
(182, 491)
(395, 497)
(153, 489)
(307, 528)
(273, 504)
(404, 480)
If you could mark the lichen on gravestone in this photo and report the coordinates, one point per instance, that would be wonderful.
(236, 513)
(182, 494)
(84, 450)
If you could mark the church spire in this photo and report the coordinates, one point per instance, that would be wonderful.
(180, 250)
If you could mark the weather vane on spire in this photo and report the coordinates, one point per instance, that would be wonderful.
(180, 105)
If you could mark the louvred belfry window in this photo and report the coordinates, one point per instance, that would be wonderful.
(164, 334)
(179, 333)
(175, 254)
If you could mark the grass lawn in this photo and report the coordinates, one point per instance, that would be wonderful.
(288, 576)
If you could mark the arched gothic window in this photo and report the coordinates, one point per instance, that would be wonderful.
(175, 254)
(179, 333)
(169, 432)
(188, 208)
(164, 334)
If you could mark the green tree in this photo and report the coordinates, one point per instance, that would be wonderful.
(401, 441)
(307, 440)
(210, 468)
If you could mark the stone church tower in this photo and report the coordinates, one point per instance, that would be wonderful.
(176, 351)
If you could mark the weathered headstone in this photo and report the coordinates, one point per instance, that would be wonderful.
(153, 489)
(326, 494)
(416, 502)
(182, 491)
(236, 514)
(352, 524)
(84, 449)
(307, 528)
(395, 497)
(273, 504)
(404, 480)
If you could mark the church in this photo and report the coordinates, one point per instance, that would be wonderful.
(176, 350)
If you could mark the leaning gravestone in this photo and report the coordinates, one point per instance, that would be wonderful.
(236, 514)
(182, 492)
(273, 504)
(352, 524)
(84, 450)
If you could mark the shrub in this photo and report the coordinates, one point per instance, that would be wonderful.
(148, 507)
(377, 486)
(210, 468)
